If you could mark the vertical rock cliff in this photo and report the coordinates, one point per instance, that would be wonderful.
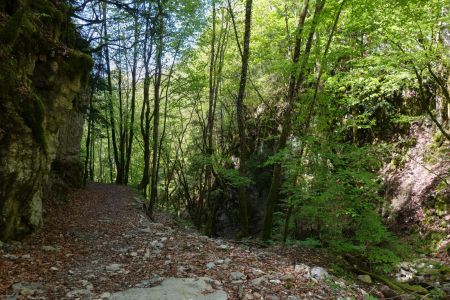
(42, 71)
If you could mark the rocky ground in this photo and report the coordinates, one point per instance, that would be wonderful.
(100, 245)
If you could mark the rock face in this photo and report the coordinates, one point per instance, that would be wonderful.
(67, 169)
(41, 74)
(417, 184)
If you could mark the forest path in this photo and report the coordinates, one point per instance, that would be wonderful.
(100, 242)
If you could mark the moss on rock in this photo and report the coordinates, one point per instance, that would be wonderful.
(41, 72)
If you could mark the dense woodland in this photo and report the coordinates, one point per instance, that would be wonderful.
(278, 113)
(270, 121)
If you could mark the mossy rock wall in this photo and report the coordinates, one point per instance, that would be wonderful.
(42, 70)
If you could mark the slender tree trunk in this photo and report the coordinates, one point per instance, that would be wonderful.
(157, 96)
(295, 83)
(92, 160)
(119, 175)
(145, 113)
(243, 215)
(133, 99)
(310, 110)
(100, 163)
(88, 138)
(210, 129)
(109, 82)
(110, 162)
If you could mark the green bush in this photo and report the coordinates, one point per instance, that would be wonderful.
(334, 192)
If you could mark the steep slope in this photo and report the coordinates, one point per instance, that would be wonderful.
(41, 73)
(417, 184)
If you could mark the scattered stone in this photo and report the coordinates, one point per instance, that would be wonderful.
(105, 295)
(147, 254)
(302, 269)
(156, 244)
(28, 288)
(275, 281)
(287, 277)
(210, 265)
(174, 288)
(404, 276)
(49, 248)
(271, 297)
(133, 254)
(260, 280)
(219, 262)
(54, 269)
(79, 293)
(87, 284)
(10, 256)
(262, 255)
(223, 247)
(227, 261)
(387, 292)
(257, 272)
(113, 267)
(248, 296)
(155, 280)
(319, 273)
(240, 291)
(365, 278)
(182, 269)
(237, 276)
(157, 225)
(26, 256)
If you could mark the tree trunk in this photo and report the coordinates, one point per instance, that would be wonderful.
(243, 215)
(110, 100)
(157, 96)
(295, 83)
(145, 113)
(133, 99)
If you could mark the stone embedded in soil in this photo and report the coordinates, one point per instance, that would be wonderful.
(174, 288)
(260, 280)
(156, 245)
(28, 288)
(302, 269)
(287, 277)
(223, 247)
(319, 273)
(79, 293)
(365, 278)
(113, 267)
(234, 276)
(49, 248)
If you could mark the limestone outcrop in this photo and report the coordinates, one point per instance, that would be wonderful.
(42, 70)
(416, 185)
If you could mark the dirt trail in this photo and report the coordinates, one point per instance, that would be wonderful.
(99, 243)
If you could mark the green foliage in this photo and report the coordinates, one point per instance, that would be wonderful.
(309, 242)
(232, 177)
(336, 203)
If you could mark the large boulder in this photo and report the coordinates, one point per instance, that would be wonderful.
(41, 74)
(175, 288)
